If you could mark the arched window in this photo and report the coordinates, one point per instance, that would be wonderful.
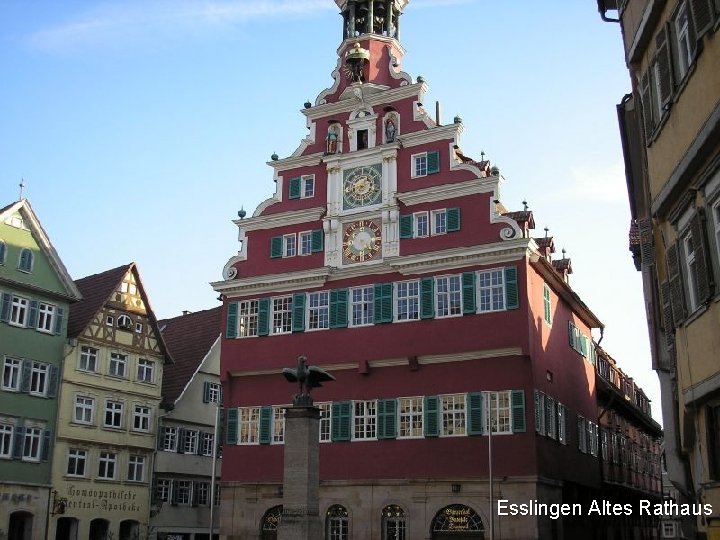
(337, 524)
(66, 529)
(129, 530)
(457, 518)
(393, 523)
(99, 529)
(20, 526)
(270, 522)
(26, 260)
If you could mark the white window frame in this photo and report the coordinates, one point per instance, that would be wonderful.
(170, 438)
(453, 415)
(76, 459)
(12, 374)
(418, 165)
(7, 432)
(410, 417)
(115, 410)
(124, 322)
(278, 425)
(28, 268)
(182, 488)
(32, 443)
(248, 425)
(118, 360)
(202, 497)
(305, 243)
(494, 288)
(84, 410)
(39, 379)
(438, 223)
(499, 412)
(146, 371)
(18, 311)
(289, 245)
(448, 296)
(307, 186)
(362, 306)
(247, 318)
(163, 489)
(683, 46)
(214, 392)
(192, 438)
(688, 247)
(406, 297)
(136, 468)
(46, 318)
(655, 92)
(88, 356)
(318, 310)
(547, 305)
(107, 465)
(364, 420)
(716, 224)
(669, 529)
(207, 441)
(325, 421)
(421, 225)
(282, 316)
(142, 416)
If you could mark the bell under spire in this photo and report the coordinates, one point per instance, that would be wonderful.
(379, 17)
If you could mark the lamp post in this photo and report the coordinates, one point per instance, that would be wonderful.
(490, 462)
(214, 466)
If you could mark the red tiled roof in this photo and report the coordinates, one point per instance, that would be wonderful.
(95, 289)
(545, 242)
(188, 338)
(562, 264)
(634, 234)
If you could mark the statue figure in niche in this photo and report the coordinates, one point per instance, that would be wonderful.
(331, 141)
(390, 127)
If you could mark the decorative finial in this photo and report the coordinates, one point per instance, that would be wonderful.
(22, 188)
(546, 232)
(525, 205)
(420, 79)
(482, 155)
(308, 104)
(242, 213)
(274, 156)
(563, 252)
(495, 171)
(457, 119)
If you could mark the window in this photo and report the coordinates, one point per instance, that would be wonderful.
(420, 224)
(162, 489)
(39, 379)
(407, 300)
(282, 315)
(712, 419)
(202, 493)
(11, 374)
(716, 223)
(325, 418)
(110, 321)
(88, 359)
(118, 364)
(669, 529)
(124, 322)
(113, 414)
(550, 417)
(577, 340)
(561, 423)
(420, 165)
(169, 440)
(136, 468)
(393, 523)
(308, 187)
(318, 310)
(25, 263)
(337, 524)
(684, 46)
(491, 290)
(453, 414)
(106, 465)
(18, 311)
(248, 421)
(364, 419)
(207, 443)
(448, 298)
(439, 221)
(76, 462)
(145, 370)
(46, 313)
(182, 492)
(411, 417)
(278, 425)
(362, 306)
(213, 392)
(691, 269)
(191, 441)
(247, 318)
(499, 412)
(289, 247)
(547, 305)
(582, 434)
(138, 328)
(84, 408)
(31, 444)
(6, 439)
(141, 418)
(305, 240)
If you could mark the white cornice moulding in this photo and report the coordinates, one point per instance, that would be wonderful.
(280, 220)
(293, 162)
(372, 98)
(432, 134)
(272, 283)
(448, 191)
(470, 355)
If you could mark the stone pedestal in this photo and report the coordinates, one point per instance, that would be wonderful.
(301, 479)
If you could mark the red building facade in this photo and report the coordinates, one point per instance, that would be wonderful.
(386, 257)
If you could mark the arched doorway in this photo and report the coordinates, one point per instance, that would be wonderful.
(20, 526)
(99, 529)
(457, 522)
(129, 530)
(337, 523)
(394, 525)
(66, 529)
(270, 522)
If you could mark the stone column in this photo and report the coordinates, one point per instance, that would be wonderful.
(301, 479)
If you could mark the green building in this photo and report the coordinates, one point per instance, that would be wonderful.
(35, 294)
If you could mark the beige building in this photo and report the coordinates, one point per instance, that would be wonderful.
(670, 128)
(108, 406)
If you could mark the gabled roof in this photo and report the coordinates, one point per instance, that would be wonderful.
(96, 290)
(189, 339)
(23, 207)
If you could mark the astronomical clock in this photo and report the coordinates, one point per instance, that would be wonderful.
(362, 186)
(361, 241)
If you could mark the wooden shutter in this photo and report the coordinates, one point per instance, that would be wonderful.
(340, 420)
(53, 382)
(33, 314)
(232, 426)
(664, 61)
(160, 443)
(667, 314)
(338, 308)
(539, 417)
(59, 320)
(433, 162)
(298, 312)
(46, 444)
(231, 328)
(406, 226)
(511, 288)
(646, 97)
(25, 373)
(5, 299)
(469, 293)
(476, 418)
(19, 440)
(263, 317)
(383, 303)
(703, 265)
(427, 298)
(647, 253)
(703, 15)
(453, 219)
(294, 187)
(431, 411)
(206, 392)
(181, 435)
(677, 292)
(517, 404)
(387, 419)
(316, 241)
(266, 415)
(276, 247)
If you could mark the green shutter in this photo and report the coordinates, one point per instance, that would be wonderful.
(231, 328)
(316, 241)
(427, 298)
(517, 403)
(33, 314)
(53, 381)
(298, 312)
(511, 288)
(476, 418)
(340, 421)
(468, 292)
(263, 317)
(431, 410)
(266, 416)
(232, 426)
(5, 299)
(276, 247)
(433, 162)
(387, 419)
(406, 226)
(206, 392)
(47, 442)
(338, 308)
(383, 303)
(294, 188)
(453, 219)
(59, 319)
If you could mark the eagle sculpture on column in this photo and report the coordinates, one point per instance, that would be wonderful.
(307, 378)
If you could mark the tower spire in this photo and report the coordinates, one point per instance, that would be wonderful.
(379, 17)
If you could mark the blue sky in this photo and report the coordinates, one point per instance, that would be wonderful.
(142, 127)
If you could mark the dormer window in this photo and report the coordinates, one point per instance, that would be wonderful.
(25, 264)
(124, 322)
(362, 126)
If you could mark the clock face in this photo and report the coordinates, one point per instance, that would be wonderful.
(362, 241)
(362, 186)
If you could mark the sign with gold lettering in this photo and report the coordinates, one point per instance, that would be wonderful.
(457, 518)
